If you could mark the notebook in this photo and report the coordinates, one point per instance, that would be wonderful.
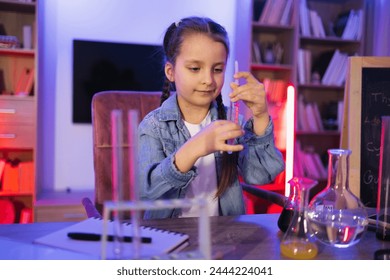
(163, 241)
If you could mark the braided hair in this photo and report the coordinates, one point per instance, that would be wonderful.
(173, 39)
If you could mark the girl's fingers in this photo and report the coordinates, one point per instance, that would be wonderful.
(247, 76)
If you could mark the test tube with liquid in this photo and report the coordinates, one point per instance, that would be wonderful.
(233, 112)
(133, 171)
(117, 178)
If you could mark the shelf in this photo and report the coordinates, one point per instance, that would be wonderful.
(257, 27)
(320, 87)
(18, 6)
(332, 41)
(21, 52)
(331, 133)
(18, 116)
(13, 194)
(270, 67)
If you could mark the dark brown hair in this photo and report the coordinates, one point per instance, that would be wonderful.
(173, 39)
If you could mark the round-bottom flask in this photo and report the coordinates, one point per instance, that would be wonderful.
(297, 243)
(336, 216)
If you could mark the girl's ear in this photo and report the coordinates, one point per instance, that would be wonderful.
(169, 71)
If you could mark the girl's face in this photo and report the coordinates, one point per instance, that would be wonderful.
(199, 71)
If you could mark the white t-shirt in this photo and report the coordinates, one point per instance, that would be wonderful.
(205, 184)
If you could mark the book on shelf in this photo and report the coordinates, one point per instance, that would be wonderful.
(26, 176)
(349, 25)
(331, 67)
(276, 90)
(11, 178)
(17, 178)
(316, 25)
(287, 12)
(338, 77)
(26, 215)
(352, 30)
(308, 164)
(304, 20)
(336, 70)
(297, 165)
(317, 116)
(256, 52)
(302, 119)
(25, 82)
(340, 115)
(309, 117)
(301, 66)
(8, 42)
(2, 167)
(304, 66)
(266, 12)
(162, 241)
(360, 27)
(276, 12)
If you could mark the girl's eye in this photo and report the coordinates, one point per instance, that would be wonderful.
(194, 69)
(218, 70)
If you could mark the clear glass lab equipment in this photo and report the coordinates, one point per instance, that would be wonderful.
(335, 215)
(287, 213)
(297, 241)
(383, 203)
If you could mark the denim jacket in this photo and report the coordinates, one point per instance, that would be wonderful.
(162, 132)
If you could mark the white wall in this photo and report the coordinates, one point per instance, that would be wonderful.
(65, 156)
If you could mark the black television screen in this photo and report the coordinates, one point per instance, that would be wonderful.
(99, 66)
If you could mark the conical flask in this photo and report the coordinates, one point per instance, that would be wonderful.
(335, 215)
(288, 209)
(297, 242)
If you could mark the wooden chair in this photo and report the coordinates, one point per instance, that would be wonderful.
(102, 105)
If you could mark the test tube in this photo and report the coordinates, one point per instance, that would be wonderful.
(383, 199)
(233, 112)
(117, 178)
(133, 179)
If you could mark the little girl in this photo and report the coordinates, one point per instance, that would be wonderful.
(183, 150)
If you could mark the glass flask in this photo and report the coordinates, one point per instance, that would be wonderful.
(336, 216)
(297, 242)
(288, 209)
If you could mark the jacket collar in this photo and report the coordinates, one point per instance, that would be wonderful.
(169, 110)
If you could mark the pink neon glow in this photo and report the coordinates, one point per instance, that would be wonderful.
(290, 135)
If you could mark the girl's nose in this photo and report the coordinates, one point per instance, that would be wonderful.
(207, 77)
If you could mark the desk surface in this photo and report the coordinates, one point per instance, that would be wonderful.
(233, 237)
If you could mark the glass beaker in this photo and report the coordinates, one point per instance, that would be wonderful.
(297, 242)
(335, 215)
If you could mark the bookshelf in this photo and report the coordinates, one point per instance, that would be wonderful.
(309, 39)
(273, 60)
(18, 106)
(319, 82)
(274, 44)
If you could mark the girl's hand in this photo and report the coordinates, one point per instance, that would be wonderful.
(213, 137)
(210, 139)
(252, 93)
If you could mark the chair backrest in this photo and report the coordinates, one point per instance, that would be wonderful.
(102, 105)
